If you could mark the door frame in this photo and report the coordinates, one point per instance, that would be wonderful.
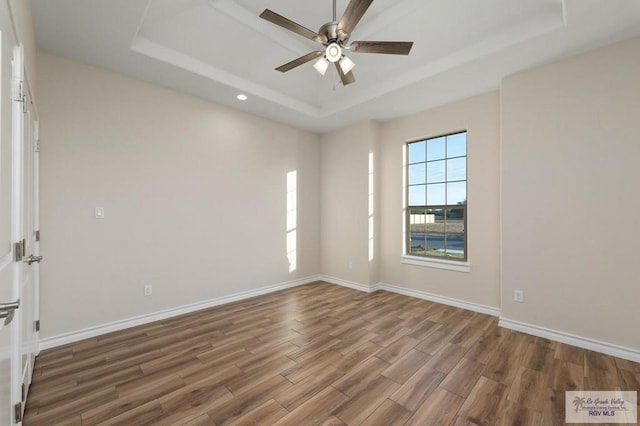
(7, 263)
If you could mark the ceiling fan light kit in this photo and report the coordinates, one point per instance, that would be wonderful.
(346, 64)
(333, 53)
(321, 65)
(334, 36)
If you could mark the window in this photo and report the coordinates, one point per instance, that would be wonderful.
(437, 197)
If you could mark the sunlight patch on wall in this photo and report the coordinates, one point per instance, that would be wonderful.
(371, 207)
(292, 218)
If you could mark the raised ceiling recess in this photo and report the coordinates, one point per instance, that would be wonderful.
(215, 49)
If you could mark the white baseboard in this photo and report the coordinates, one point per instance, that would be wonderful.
(559, 336)
(74, 336)
(344, 283)
(476, 307)
(571, 339)
(463, 304)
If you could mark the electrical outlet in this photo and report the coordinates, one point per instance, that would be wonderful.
(148, 290)
(518, 296)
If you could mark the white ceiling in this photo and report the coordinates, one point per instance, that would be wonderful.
(215, 49)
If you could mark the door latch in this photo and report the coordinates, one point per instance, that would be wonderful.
(8, 311)
(32, 259)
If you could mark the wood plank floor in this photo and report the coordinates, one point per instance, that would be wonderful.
(318, 354)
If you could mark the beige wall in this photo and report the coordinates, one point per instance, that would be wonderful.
(21, 14)
(570, 152)
(480, 117)
(344, 203)
(195, 197)
(194, 193)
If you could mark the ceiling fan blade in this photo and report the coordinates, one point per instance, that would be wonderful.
(387, 47)
(290, 25)
(347, 78)
(352, 15)
(301, 60)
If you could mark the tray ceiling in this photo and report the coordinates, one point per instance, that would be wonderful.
(216, 49)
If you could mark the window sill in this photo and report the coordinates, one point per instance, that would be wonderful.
(428, 262)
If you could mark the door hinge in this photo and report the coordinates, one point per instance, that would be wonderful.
(36, 145)
(18, 251)
(37, 235)
(18, 94)
(24, 391)
(37, 325)
(17, 412)
(36, 137)
(17, 90)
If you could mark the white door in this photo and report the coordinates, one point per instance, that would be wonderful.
(24, 224)
(29, 266)
(18, 223)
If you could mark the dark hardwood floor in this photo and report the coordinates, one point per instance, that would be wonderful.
(318, 354)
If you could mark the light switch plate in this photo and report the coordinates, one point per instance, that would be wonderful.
(99, 212)
(518, 296)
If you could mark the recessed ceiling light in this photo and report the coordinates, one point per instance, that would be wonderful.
(242, 97)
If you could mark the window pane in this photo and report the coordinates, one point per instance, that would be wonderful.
(417, 152)
(435, 171)
(435, 216)
(455, 233)
(436, 149)
(417, 228)
(457, 193)
(417, 173)
(417, 219)
(457, 145)
(417, 195)
(457, 169)
(435, 245)
(417, 243)
(435, 194)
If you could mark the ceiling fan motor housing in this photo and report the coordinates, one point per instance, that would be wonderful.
(332, 34)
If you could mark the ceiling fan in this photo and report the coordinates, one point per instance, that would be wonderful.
(334, 36)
